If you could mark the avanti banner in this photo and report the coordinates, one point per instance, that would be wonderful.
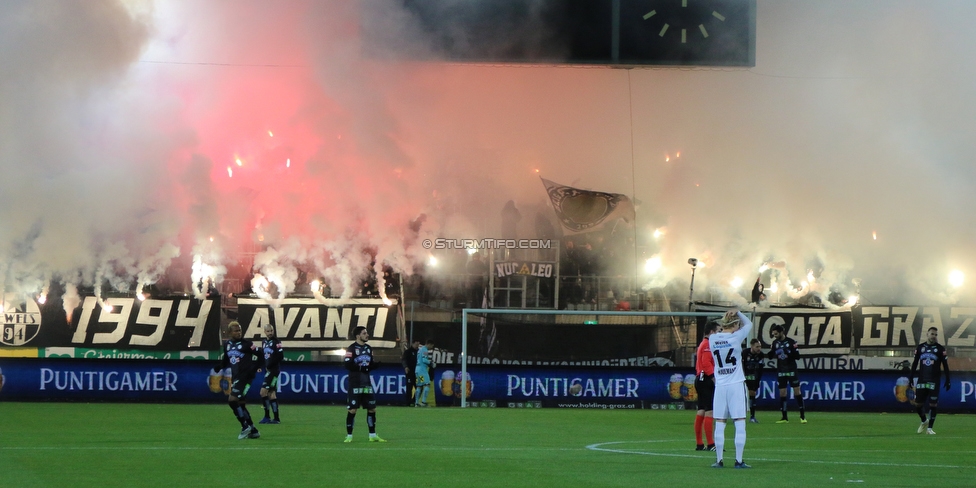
(310, 323)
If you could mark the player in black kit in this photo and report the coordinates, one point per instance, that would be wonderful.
(244, 360)
(932, 357)
(273, 354)
(359, 362)
(785, 352)
(753, 360)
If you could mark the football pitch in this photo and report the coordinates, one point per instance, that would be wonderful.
(176, 445)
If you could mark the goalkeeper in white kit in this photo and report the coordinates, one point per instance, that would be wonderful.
(730, 389)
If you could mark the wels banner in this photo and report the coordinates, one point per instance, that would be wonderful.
(320, 324)
(173, 324)
(891, 326)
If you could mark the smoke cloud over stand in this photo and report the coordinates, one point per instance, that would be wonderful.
(148, 143)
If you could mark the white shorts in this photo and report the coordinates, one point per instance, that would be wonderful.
(729, 402)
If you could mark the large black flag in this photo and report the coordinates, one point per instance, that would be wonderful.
(586, 210)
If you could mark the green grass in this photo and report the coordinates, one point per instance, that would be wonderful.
(64, 444)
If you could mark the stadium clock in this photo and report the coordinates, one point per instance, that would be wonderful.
(682, 21)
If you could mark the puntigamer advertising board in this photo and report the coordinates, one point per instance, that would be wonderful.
(153, 380)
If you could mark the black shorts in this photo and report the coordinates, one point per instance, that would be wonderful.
(361, 397)
(753, 385)
(790, 378)
(270, 382)
(706, 392)
(240, 385)
(927, 391)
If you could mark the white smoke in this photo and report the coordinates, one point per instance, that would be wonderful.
(120, 120)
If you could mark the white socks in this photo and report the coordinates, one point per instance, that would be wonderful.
(740, 439)
(720, 438)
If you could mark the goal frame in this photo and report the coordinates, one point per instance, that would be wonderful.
(508, 311)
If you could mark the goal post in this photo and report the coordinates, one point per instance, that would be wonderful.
(486, 312)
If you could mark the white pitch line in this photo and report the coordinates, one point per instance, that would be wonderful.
(386, 447)
(598, 447)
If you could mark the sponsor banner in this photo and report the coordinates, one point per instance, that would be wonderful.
(669, 389)
(88, 353)
(815, 330)
(847, 362)
(602, 405)
(448, 356)
(151, 380)
(154, 380)
(527, 268)
(893, 326)
(19, 352)
(320, 324)
(171, 324)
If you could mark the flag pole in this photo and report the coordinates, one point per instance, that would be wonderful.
(633, 175)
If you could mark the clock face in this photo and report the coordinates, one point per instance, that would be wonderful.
(679, 20)
(693, 32)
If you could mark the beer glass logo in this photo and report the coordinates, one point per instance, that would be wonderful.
(674, 386)
(903, 390)
(21, 319)
(688, 391)
(447, 383)
(219, 382)
(451, 384)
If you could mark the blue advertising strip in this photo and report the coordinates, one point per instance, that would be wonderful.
(154, 380)
(151, 380)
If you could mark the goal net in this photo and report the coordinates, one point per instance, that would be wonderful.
(570, 339)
